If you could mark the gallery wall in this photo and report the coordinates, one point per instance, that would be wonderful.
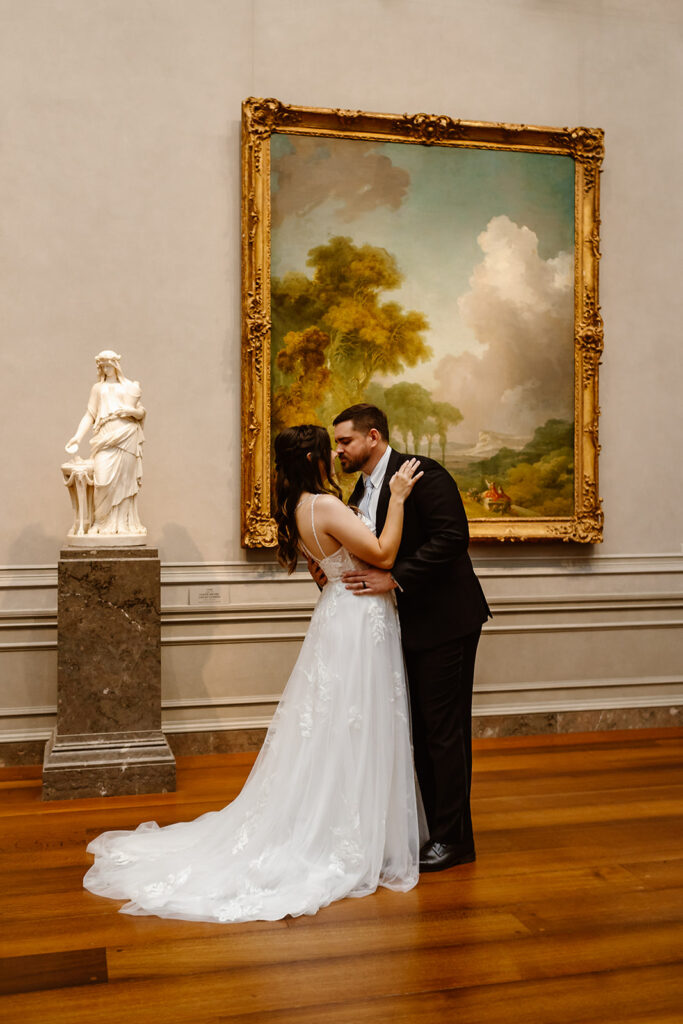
(120, 179)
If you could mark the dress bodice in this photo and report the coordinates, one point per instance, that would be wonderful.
(341, 560)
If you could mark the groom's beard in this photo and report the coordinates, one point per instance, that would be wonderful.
(349, 465)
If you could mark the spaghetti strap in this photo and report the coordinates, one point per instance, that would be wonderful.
(313, 500)
(308, 554)
(307, 551)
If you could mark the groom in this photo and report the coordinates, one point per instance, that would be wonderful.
(441, 608)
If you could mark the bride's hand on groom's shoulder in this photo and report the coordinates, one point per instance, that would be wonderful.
(405, 478)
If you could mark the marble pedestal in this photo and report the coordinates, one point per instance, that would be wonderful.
(108, 740)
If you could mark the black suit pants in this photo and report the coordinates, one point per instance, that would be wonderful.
(440, 682)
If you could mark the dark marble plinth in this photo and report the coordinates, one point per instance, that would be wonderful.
(108, 739)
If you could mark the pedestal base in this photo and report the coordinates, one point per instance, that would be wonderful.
(108, 740)
(109, 764)
(91, 541)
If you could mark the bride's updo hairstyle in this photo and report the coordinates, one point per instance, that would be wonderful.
(302, 464)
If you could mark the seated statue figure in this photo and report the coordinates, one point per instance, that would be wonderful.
(116, 417)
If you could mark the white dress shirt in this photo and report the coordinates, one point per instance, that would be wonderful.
(377, 476)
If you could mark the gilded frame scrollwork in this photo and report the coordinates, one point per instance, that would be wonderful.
(260, 119)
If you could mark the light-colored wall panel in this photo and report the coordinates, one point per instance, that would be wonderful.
(120, 180)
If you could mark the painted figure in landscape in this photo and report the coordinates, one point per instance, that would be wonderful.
(438, 284)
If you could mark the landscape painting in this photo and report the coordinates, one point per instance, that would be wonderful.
(441, 281)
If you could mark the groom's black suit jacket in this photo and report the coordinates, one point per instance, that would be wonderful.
(440, 596)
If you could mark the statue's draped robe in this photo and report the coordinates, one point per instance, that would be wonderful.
(116, 446)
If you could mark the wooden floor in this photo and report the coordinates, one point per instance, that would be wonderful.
(572, 912)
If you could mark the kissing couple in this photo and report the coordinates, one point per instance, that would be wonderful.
(331, 807)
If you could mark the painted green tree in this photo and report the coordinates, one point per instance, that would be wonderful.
(337, 326)
(414, 415)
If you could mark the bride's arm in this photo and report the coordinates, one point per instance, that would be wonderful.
(338, 521)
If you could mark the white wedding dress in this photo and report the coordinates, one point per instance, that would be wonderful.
(330, 807)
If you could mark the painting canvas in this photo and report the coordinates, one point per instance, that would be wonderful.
(445, 281)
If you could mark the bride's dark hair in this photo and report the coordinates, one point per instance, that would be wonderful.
(302, 463)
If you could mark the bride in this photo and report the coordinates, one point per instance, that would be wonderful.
(329, 809)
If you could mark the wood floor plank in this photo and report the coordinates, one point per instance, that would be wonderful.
(64, 933)
(75, 902)
(610, 908)
(573, 911)
(468, 890)
(552, 855)
(52, 970)
(529, 784)
(98, 919)
(258, 990)
(641, 996)
(424, 968)
(623, 839)
(576, 761)
(657, 796)
(609, 810)
(17, 773)
(338, 940)
(31, 804)
(659, 874)
(17, 790)
(48, 882)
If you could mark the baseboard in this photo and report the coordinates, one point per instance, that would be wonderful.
(29, 750)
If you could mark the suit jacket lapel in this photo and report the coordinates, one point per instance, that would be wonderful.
(395, 460)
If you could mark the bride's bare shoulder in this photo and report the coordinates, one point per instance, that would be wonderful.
(329, 505)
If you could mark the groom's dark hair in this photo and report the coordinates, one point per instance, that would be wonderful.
(365, 417)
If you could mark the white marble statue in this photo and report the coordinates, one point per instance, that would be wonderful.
(104, 488)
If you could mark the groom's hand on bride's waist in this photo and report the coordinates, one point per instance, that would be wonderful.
(369, 581)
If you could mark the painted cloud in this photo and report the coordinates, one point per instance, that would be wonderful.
(520, 308)
(350, 174)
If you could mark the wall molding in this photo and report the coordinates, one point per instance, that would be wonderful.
(507, 565)
(596, 704)
(516, 629)
(226, 723)
(281, 611)
(300, 611)
(590, 564)
(587, 701)
(620, 682)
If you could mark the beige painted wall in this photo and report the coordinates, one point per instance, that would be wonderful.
(119, 186)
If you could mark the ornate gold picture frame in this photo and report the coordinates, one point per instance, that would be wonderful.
(445, 269)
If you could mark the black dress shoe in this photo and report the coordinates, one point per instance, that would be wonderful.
(435, 856)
